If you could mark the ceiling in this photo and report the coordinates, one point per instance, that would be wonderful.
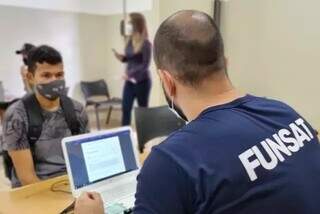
(98, 7)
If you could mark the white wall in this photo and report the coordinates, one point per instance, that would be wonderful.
(80, 38)
(101, 7)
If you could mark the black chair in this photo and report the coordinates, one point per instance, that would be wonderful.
(99, 89)
(155, 122)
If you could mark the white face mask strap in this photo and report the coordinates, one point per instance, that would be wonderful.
(172, 109)
(172, 103)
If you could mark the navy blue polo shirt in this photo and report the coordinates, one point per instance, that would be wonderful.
(250, 156)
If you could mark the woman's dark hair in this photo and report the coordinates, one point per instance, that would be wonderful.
(139, 24)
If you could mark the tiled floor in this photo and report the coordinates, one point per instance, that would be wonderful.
(114, 122)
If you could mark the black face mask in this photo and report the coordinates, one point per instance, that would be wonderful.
(25, 61)
(52, 90)
(174, 108)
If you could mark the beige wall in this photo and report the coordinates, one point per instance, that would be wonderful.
(273, 49)
(168, 7)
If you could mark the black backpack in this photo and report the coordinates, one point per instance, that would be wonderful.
(35, 121)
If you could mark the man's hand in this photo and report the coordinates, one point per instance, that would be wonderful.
(89, 203)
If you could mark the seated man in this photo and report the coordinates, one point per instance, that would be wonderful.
(239, 154)
(43, 158)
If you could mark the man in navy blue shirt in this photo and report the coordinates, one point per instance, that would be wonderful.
(239, 154)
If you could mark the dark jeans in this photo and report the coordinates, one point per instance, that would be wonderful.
(141, 91)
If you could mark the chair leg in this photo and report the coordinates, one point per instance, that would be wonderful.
(109, 114)
(97, 116)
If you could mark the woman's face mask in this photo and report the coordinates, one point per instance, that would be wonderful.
(128, 29)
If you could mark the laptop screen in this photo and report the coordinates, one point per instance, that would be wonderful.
(94, 159)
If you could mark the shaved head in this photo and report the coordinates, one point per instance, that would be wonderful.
(189, 45)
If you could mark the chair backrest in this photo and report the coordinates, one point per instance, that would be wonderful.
(155, 122)
(94, 88)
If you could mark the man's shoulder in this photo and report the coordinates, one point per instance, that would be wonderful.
(16, 109)
(270, 102)
(15, 119)
(180, 140)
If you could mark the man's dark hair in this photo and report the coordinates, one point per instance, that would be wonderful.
(25, 48)
(189, 45)
(43, 54)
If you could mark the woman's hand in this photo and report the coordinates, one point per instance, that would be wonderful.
(117, 55)
(125, 77)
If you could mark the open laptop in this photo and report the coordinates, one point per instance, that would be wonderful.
(105, 162)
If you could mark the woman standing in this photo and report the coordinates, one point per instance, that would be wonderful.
(137, 76)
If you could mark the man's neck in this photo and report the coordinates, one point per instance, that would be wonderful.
(46, 104)
(197, 102)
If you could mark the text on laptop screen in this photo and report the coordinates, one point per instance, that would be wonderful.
(96, 158)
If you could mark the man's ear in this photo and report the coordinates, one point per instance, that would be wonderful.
(168, 82)
(226, 61)
(160, 74)
(30, 78)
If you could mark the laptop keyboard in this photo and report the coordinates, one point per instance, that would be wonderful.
(119, 192)
(124, 206)
(119, 199)
(115, 208)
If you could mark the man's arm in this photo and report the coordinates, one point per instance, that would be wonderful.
(15, 141)
(23, 164)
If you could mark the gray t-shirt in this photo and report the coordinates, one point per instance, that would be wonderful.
(49, 161)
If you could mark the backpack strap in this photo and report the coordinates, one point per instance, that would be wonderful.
(35, 118)
(7, 164)
(70, 115)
